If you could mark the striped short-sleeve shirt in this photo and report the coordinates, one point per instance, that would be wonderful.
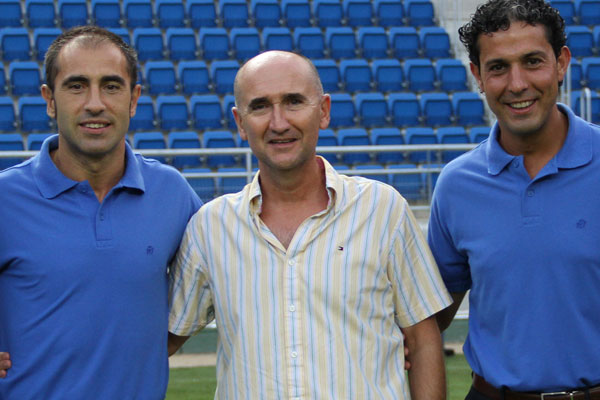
(320, 319)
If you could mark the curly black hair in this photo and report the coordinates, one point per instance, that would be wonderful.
(498, 14)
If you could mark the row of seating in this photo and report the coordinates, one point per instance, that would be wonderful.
(208, 13)
(584, 12)
(583, 41)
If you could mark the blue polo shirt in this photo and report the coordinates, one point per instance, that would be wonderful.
(83, 284)
(529, 250)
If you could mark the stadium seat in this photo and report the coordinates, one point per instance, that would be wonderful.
(381, 177)
(388, 75)
(329, 74)
(576, 74)
(385, 137)
(14, 43)
(389, 13)
(410, 185)
(172, 112)
(170, 13)
(228, 103)
(588, 11)
(201, 13)
(372, 109)
(144, 118)
(327, 138)
(436, 108)
(150, 140)
(205, 187)
(404, 42)
(373, 41)
(591, 72)
(277, 39)
(468, 108)
(265, 13)
(234, 13)
(356, 75)
(328, 13)
(358, 12)
(341, 42)
(404, 109)
(181, 43)
(477, 134)
(566, 9)
(342, 110)
(430, 178)
(123, 34)
(231, 184)
(420, 74)
(421, 135)
(160, 77)
(206, 112)
(72, 13)
(184, 140)
(419, 12)
(310, 42)
(223, 74)
(35, 140)
(296, 13)
(32, 114)
(40, 13)
(42, 38)
(106, 13)
(194, 77)
(214, 43)
(435, 42)
(354, 137)
(580, 40)
(148, 43)
(244, 144)
(576, 105)
(245, 42)
(7, 114)
(451, 74)
(138, 13)
(11, 142)
(10, 15)
(24, 78)
(219, 140)
(452, 135)
(3, 83)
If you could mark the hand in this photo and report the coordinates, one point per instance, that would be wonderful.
(4, 364)
(406, 354)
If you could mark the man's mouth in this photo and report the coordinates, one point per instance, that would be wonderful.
(95, 125)
(521, 104)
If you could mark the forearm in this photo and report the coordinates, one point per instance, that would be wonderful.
(175, 342)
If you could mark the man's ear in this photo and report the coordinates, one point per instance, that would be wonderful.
(50, 105)
(477, 75)
(238, 121)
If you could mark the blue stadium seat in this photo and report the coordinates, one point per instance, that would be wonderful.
(245, 42)
(591, 72)
(404, 109)
(410, 185)
(223, 73)
(214, 43)
(341, 42)
(3, 83)
(354, 137)
(404, 42)
(10, 15)
(436, 108)
(201, 13)
(265, 13)
(419, 12)
(580, 40)
(40, 13)
(150, 140)
(420, 74)
(218, 140)
(372, 109)
(477, 134)
(194, 77)
(310, 42)
(244, 144)
(145, 116)
(329, 74)
(184, 140)
(452, 135)
(373, 41)
(24, 77)
(204, 187)
(451, 74)
(170, 13)
(42, 38)
(277, 39)
(72, 13)
(342, 110)
(160, 77)
(356, 75)
(388, 75)
(123, 33)
(228, 103)
(32, 114)
(388, 136)
(11, 142)
(138, 13)
(421, 135)
(576, 74)
(381, 177)
(468, 108)
(148, 43)
(358, 12)
(7, 114)
(296, 13)
(35, 140)
(14, 43)
(435, 42)
(328, 12)
(389, 13)
(234, 13)
(181, 43)
(231, 184)
(172, 112)
(206, 111)
(327, 137)
(107, 13)
(595, 104)
(566, 9)
(588, 11)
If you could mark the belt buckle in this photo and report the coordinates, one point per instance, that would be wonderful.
(551, 394)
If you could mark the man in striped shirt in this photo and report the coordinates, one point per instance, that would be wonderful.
(315, 279)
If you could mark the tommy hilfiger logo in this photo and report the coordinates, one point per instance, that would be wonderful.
(341, 248)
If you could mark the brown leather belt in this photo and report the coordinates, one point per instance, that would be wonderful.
(483, 387)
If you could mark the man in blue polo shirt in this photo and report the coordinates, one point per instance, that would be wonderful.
(516, 220)
(88, 231)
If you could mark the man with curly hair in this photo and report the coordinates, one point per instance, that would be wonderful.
(516, 219)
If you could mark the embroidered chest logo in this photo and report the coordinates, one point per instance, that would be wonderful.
(149, 250)
(340, 248)
(581, 224)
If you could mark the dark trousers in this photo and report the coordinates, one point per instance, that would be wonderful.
(475, 395)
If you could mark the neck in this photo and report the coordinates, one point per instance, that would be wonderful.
(294, 186)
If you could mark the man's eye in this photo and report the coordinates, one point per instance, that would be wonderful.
(75, 86)
(534, 61)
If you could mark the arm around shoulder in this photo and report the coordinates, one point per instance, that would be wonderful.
(5, 364)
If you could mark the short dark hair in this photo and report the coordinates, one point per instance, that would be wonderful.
(94, 36)
(499, 14)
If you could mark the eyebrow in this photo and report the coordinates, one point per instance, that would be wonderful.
(84, 79)
(525, 56)
(285, 97)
